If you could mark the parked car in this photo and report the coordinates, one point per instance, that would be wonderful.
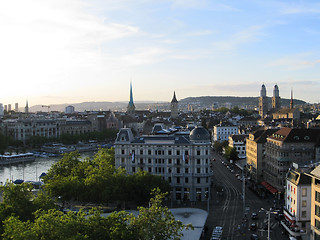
(254, 216)
(254, 237)
(253, 226)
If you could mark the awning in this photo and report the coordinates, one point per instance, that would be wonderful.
(269, 187)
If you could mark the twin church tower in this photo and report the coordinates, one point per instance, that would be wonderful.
(276, 100)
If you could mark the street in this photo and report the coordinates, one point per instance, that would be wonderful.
(227, 208)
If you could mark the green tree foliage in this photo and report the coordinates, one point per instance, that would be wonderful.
(19, 201)
(231, 153)
(218, 146)
(97, 180)
(155, 222)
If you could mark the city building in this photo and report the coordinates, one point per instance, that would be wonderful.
(23, 129)
(16, 107)
(103, 120)
(297, 208)
(1, 110)
(263, 102)
(238, 141)
(284, 147)
(9, 107)
(222, 131)
(74, 127)
(315, 204)
(255, 153)
(69, 109)
(174, 107)
(182, 158)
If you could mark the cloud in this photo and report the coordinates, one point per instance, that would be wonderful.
(242, 37)
(295, 62)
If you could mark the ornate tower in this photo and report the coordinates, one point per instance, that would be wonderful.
(276, 100)
(263, 101)
(174, 107)
(131, 108)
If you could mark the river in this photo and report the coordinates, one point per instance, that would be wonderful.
(31, 171)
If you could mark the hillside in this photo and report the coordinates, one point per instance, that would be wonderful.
(196, 102)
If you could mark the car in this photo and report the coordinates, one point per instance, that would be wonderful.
(253, 226)
(254, 216)
(254, 237)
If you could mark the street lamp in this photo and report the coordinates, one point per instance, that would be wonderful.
(268, 212)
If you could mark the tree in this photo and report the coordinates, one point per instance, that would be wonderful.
(157, 222)
(231, 153)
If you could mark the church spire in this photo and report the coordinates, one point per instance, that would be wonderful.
(174, 99)
(131, 95)
(131, 108)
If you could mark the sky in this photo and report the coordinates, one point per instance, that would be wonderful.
(70, 51)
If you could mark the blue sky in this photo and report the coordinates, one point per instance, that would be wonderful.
(59, 51)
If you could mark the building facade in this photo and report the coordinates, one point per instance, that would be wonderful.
(255, 153)
(284, 147)
(238, 141)
(182, 158)
(297, 208)
(315, 204)
(222, 131)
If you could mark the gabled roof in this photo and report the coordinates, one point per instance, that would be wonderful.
(296, 135)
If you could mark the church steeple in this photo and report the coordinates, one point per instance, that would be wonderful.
(131, 108)
(174, 107)
(26, 109)
(291, 100)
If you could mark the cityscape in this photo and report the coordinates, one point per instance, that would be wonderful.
(191, 120)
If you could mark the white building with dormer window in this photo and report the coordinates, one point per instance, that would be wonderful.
(182, 158)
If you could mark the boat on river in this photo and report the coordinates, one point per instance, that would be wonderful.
(16, 158)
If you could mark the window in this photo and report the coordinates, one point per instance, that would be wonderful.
(198, 180)
(198, 161)
(178, 170)
(178, 180)
(141, 152)
(169, 152)
(303, 203)
(317, 196)
(133, 169)
(186, 170)
(198, 170)
(304, 192)
(198, 152)
(304, 214)
(317, 210)
(149, 152)
(178, 152)
(186, 180)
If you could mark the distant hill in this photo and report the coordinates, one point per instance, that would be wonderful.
(196, 102)
(241, 102)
